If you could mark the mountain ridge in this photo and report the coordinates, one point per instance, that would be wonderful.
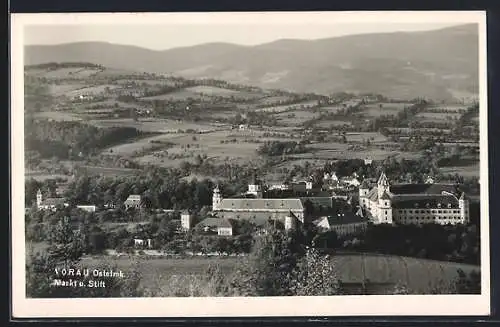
(401, 64)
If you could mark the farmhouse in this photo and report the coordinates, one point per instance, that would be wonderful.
(414, 203)
(133, 201)
(49, 203)
(222, 227)
(344, 223)
(88, 208)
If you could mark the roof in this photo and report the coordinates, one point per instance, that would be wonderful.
(424, 201)
(423, 189)
(133, 198)
(261, 204)
(364, 184)
(342, 219)
(373, 194)
(215, 222)
(385, 196)
(53, 201)
(383, 180)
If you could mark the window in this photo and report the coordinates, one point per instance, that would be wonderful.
(439, 205)
(449, 205)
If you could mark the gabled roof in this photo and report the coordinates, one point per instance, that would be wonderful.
(215, 223)
(341, 219)
(385, 196)
(373, 194)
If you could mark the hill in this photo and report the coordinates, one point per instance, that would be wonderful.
(441, 64)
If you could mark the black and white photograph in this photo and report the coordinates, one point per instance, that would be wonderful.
(255, 164)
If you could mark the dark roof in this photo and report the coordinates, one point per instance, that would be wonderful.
(424, 201)
(215, 222)
(385, 196)
(423, 188)
(364, 184)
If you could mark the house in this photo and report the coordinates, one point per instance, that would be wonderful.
(133, 201)
(186, 220)
(88, 208)
(49, 203)
(220, 226)
(343, 223)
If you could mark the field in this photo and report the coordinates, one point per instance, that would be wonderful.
(57, 116)
(153, 125)
(91, 90)
(334, 123)
(109, 171)
(295, 118)
(182, 94)
(465, 171)
(41, 176)
(332, 109)
(295, 106)
(379, 109)
(272, 100)
(63, 89)
(386, 271)
(437, 117)
(453, 107)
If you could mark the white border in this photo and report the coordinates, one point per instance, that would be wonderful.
(397, 305)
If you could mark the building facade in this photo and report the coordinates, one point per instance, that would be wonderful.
(414, 203)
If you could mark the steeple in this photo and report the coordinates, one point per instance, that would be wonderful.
(383, 181)
(382, 185)
(38, 198)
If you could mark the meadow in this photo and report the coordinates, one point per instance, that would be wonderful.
(93, 90)
(379, 109)
(434, 116)
(57, 116)
(352, 269)
(154, 125)
(63, 89)
(289, 107)
(295, 118)
(465, 171)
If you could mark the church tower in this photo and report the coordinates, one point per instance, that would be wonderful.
(382, 185)
(384, 209)
(364, 188)
(38, 198)
(254, 187)
(463, 204)
(216, 199)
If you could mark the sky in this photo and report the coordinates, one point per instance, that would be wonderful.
(167, 36)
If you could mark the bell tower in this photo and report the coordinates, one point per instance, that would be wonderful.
(38, 198)
(216, 199)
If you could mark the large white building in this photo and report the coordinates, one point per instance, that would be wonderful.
(414, 203)
(253, 206)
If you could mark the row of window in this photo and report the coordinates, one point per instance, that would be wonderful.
(432, 218)
(428, 211)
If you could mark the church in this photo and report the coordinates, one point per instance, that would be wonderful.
(414, 203)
